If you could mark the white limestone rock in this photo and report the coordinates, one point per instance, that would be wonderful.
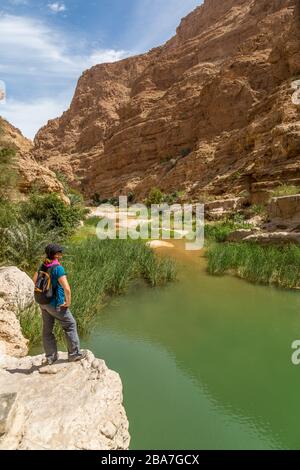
(78, 406)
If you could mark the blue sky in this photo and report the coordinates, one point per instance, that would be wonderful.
(46, 45)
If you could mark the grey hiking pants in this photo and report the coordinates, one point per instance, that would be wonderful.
(68, 323)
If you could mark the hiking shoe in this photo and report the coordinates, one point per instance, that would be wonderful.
(51, 359)
(78, 356)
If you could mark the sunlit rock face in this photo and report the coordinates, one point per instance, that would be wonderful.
(31, 174)
(16, 294)
(209, 112)
(61, 407)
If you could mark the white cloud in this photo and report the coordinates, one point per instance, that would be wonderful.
(30, 116)
(39, 60)
(57, 7)
(106, 55)
(29, 47)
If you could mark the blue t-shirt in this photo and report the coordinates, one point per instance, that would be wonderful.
(59, 294)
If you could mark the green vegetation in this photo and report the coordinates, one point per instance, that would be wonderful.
(130, 197)
(185, 152)
(258, 209)
(274, 265)
(156, 196)
(285, 190)
(8, 171)
(24, 243)
(219, 231)
(58, 215)
(97, 200)
(31, 324)
(236, 175)
(26, 228)
(87, 230)
(98, 270)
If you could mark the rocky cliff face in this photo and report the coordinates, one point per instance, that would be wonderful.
(32, 174)
(209, 112)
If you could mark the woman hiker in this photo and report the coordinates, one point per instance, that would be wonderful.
(53, 294)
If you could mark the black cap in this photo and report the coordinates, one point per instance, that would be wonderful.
(52, 249)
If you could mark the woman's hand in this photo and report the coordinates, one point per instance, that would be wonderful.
(65, 305)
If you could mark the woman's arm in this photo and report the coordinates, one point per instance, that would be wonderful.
(67, 290)
(35, 276)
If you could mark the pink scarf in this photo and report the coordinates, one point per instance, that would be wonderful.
(55, 262)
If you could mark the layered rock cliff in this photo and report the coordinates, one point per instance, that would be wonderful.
(32, 175)
(210, 112)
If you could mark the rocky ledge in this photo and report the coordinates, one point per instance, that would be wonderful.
(64, 406)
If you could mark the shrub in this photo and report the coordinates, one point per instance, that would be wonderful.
(24, 244)
(258, 209)
(52, 211)
(130, 196)
(63, 180)
(8, 171)
(185, 152)
(171, 198)
(8, 213)
(96, 200)
(219, 231)
(155, 197)
(114, 201)
(76, 198)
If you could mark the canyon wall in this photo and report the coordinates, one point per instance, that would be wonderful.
(208, 113)
(31, 174)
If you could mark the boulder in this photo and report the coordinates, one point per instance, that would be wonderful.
(16, 288)
(61, 407)
(16, 294)
(285, 208)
